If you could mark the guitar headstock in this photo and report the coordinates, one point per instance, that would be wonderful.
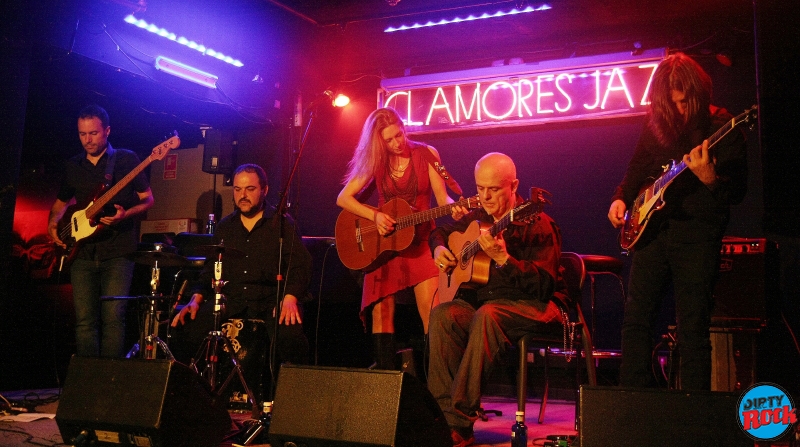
(473, 202)
(530, 210)
(748, 116)
(160, 151)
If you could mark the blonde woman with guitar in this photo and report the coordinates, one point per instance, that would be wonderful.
(403, 172)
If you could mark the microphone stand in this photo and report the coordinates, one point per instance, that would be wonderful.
(254, 430)
(280, 279)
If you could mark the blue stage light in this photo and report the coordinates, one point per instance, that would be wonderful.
(182, 40)
(471, 17)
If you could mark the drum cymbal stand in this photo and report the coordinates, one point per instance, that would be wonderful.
(149, 339)
(215, 341)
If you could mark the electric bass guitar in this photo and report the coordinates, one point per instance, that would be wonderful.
(81, 222)
(651, 198)
(473, 264)
(360, 245)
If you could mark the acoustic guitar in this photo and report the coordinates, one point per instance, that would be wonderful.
(473, 264)
(360, 245)
(81, 222)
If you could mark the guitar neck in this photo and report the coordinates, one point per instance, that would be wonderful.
(667, 178)
(433, 213)
(474, 247)
(98, 205)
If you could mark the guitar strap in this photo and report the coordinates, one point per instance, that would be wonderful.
(112, 158)
(442, 171)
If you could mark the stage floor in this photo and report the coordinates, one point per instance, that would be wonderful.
(559, 420)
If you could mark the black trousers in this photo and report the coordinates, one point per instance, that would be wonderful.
(691, 266)
(292, 343)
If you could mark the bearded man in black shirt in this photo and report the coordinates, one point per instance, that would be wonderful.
(251, 278)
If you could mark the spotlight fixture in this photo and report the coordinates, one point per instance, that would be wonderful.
(341, 100)
(469, 18)
(182, 40)
(186, 72)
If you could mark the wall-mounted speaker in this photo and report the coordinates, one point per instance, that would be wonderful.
(323, 406)
(218, 152)
(135, 402)
(619, 417)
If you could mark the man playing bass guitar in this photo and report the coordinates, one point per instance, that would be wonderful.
(100, 267)
(682, 245)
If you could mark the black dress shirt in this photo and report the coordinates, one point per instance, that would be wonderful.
(252, 279)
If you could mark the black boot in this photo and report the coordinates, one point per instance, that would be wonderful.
(384, 351)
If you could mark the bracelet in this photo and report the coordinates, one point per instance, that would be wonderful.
(499, 266)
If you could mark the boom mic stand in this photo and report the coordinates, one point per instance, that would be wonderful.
(209, 349)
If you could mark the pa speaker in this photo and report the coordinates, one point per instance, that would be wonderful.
(135, 402)
(618, 417)
(218, 152)
(322, 406)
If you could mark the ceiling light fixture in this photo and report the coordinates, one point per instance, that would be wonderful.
(182, 40)
(469, 18)
(186, 72)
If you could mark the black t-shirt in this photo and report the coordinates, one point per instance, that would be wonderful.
(83, 180)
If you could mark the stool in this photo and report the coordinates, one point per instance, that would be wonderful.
(601, 265)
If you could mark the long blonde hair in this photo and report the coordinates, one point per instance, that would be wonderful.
(370, 154)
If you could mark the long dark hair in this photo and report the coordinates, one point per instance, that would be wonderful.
(678, 72)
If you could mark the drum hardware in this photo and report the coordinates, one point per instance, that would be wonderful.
(149, 342)
(209, 351)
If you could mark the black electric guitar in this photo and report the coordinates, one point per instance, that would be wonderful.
(82, 221)
(651, 198)
(473, 264)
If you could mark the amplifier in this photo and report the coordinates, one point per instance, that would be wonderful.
(747, 277)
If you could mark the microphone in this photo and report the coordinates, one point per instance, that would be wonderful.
(180, 293)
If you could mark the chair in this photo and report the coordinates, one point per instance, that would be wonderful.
(601, 265)
(552, 336)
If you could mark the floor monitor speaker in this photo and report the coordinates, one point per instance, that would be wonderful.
(136, 402)
(323, 406)
(619, 417)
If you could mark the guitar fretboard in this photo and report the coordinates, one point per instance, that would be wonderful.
(666, 179)
(474, 247)
(433, 213)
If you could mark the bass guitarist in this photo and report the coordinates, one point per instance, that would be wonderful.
(681, 246)
(401, 169)
(524, 284)
(100, 267)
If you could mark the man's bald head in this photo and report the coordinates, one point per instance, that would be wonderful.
(496, 180)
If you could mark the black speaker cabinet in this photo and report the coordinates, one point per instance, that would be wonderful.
(218, 152)
(747, 278)
(322, 406)
(619, 417)
(134, 402)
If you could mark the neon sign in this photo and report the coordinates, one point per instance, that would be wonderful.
(593, 87)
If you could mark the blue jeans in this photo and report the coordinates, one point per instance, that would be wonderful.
(90, 281)
(464, 344)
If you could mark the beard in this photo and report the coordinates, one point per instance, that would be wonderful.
(248, 209)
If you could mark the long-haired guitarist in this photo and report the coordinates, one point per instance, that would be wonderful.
(521, 287)
(100, 267)
(680, 245)
(400, 169)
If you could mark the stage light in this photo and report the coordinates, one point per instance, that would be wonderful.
(469, 18)
(341, 100)
(139, 23)
(186, 72)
